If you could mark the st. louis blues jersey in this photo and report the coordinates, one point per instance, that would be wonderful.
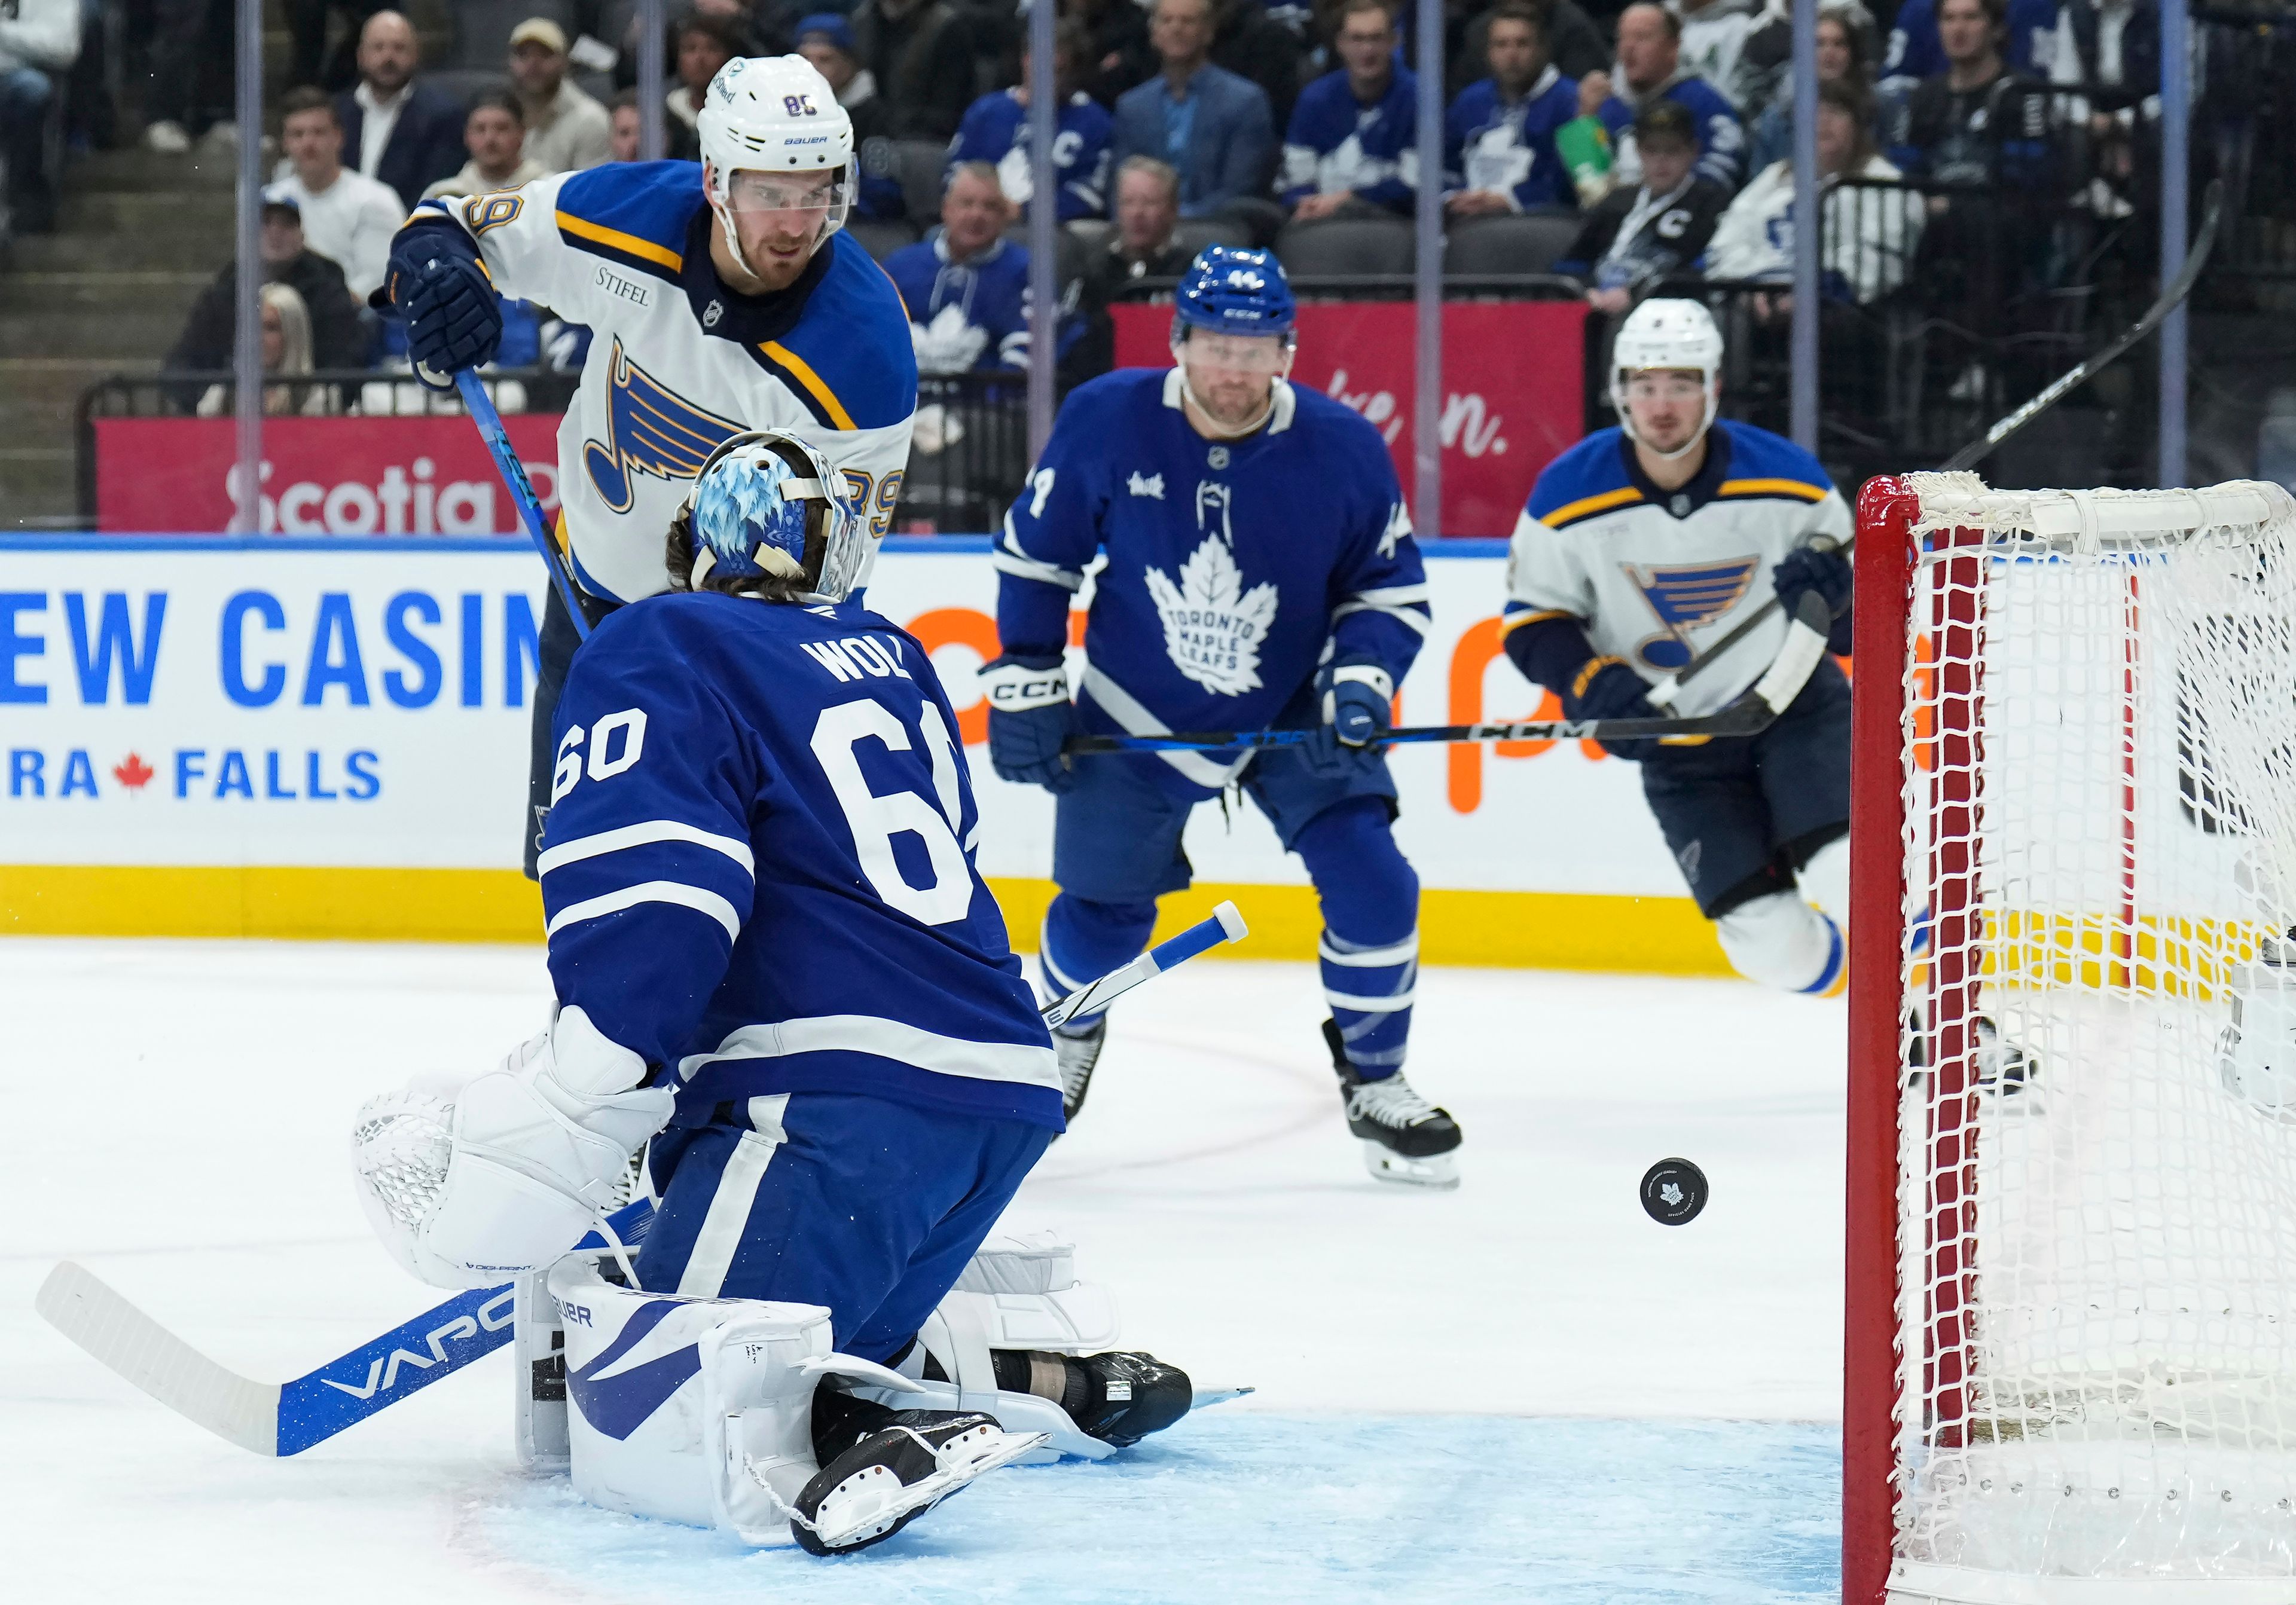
(1721, 138)
(1654, 574)
(1509, 149)
(1235, 567)
(757, 865)
(996, 130)
(1336, 142)
(966, 316)
(678, 362)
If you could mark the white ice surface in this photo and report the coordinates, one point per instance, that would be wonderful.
(177, 1121)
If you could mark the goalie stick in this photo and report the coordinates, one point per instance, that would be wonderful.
(279, 1418)
(1969, 456)
(1751, 714)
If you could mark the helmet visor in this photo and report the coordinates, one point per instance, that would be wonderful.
(797, 195)
(1235, 353)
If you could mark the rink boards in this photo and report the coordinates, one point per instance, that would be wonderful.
(328, 738)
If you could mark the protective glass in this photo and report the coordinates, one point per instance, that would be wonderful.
(1236, 353)
(754, 194)
(1662, 384)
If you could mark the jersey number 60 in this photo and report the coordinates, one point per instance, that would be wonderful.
(876, 820)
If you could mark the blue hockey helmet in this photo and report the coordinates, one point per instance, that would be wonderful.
(1228, 289)
(767, 503)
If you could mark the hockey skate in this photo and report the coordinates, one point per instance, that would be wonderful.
(2002, 1066)
(898, 1465)
(1406, 1139)
(1079, 1049)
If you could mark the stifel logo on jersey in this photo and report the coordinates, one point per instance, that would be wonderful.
(650, 429)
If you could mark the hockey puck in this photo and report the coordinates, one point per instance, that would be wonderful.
(1674, 1190)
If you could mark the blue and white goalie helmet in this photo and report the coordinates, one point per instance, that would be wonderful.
(1230, 291)
(765, 503)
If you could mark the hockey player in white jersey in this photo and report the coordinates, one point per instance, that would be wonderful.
(721, 297)
(1646, 542)
(777, 968)
(1260, 572)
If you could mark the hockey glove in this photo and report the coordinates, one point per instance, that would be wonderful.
(454, 318)
(1029, 719)
(1358, 696)
(1606, 688)
(1805, 569)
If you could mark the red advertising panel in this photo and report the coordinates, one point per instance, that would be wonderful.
(1513, 387)
(320, 476)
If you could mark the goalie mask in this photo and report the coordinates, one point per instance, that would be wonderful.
(1671, 336)
(774, 139)
(765, 503)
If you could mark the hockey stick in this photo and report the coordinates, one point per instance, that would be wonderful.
(1969, 456)
(481, 409)
(1749, 715)
(279, 1418)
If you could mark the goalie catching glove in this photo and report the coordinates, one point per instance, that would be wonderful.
(468, 1186)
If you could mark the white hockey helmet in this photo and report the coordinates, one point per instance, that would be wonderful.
(1676, 335)
(773, 114)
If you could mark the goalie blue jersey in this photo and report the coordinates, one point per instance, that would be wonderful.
(1233, 565)
(757, 865)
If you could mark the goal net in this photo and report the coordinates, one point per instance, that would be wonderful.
(2072, 1300)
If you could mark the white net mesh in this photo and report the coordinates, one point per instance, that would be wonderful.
(2097, 1209)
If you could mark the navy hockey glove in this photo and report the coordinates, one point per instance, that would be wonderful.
(1030, 717)
(1805, 570)
(1606, 688)
(1358, 698)
(454, 318)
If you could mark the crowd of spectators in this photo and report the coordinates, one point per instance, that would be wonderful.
(1652, 142)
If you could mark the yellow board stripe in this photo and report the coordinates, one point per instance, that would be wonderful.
(1801, 489)
(811, 381)
(1546, 931)
(1587, 506)
(582, 228)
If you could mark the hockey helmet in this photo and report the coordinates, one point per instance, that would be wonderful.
(1228, 289)
(1674, 335)
(768, 115)
(767, 503)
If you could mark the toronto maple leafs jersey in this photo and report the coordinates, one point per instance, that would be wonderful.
(996, 130)
(1655, 576)
(1721, 138)
(965, 316)
(678, 362)
(1336, 142)
(757, 865)
(1235, 567)
(1509, 148)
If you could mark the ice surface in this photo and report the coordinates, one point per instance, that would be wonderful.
(1522, 1390)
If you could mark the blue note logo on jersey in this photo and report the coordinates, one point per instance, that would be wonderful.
(650, 429)
(1685, 599)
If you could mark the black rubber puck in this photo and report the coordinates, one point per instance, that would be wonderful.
(1674, 1190)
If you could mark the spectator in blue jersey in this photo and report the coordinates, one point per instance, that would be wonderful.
(966, 289)
(1650, 69)
(1211, 127)
(1350, 151)
(1498, 140)
(996, 130)
(1977, 123)
(1917, 49)
(826, 40)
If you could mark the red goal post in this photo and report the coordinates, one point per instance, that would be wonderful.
(2070, 1343)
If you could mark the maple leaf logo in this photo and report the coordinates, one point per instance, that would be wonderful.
(1213, 626)
(133, 772)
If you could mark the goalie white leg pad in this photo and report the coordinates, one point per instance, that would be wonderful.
(537, 1376)
(2257, 1052)
(1825, 880)
(694, 1410)
(1019, 1291)
(1781, 941)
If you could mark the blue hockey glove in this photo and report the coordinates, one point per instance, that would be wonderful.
(1358, 698)
(1029, 716)
(454, 318)
(1805, 570)
(1606, 688)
